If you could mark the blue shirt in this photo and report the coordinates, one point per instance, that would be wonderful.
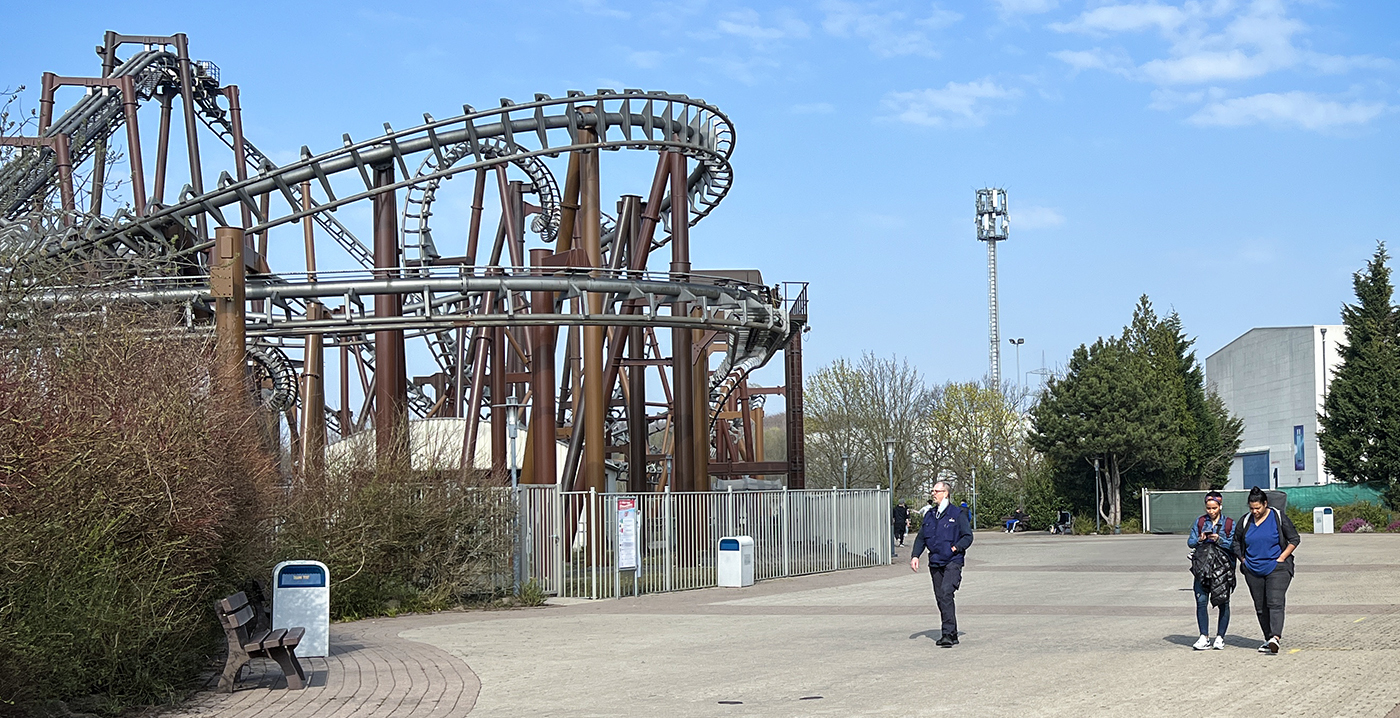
(1261, 549)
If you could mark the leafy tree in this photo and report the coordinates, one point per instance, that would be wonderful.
(1360, 434)
(1111, 407)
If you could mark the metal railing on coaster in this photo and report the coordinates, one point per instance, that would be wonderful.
(571, 538)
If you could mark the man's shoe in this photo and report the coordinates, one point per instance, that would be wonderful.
(1219, 644)
(944, 642)
(1273, 644)
(954, 639)
(1201, 644)
(1264, 648)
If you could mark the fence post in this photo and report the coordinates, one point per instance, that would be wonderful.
(666, 522)
(729, 511)
(592, 513)
(787, 533)
(556, 540)
(834, 559)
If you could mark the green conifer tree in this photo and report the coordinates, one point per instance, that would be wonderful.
(1360, 434)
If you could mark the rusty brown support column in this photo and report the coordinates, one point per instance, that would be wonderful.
(568, 206)
(637, 430)
(99, 163)
(498, 400)
(240, 151)
(163, 149)
(228, 286)
(595, 399)
(48, 83)
(474, 228)
(64, 161)
(346, 429)
(133, 141)
(313, 402)
(682, 366)
(186, 71)
(796, 454)
(701, 405)
(390, 380)
(542, 427)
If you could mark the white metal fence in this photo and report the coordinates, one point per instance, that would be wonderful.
(570, 537)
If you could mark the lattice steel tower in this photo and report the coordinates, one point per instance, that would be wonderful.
(993, 224)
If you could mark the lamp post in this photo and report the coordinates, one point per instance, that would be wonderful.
(1018, 341)
(889, 461)
(512, 407)
(845, 471)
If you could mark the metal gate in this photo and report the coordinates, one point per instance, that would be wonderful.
(570, 537)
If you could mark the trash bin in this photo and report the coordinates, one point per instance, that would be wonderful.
(301, 596)
(735, 564)
(1322, 520)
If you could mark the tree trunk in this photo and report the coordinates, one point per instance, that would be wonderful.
(1115, 492)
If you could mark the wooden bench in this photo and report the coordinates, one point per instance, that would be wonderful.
(248, 640)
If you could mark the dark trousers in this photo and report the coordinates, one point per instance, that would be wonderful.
(1268, 592)
(1203, 611)
(946, 580)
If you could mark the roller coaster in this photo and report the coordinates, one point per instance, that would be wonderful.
(563, 333)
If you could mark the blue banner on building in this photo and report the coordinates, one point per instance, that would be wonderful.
(1297, 448)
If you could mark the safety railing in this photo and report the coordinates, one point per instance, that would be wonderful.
(571, 539)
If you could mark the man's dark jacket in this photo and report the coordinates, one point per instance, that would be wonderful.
(940, 533)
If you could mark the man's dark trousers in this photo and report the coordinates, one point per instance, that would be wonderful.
(946, 580)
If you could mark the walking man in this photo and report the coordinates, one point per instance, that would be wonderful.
(899, 522)
(946, 534)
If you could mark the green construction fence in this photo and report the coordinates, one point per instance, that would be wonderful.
(1174, 512)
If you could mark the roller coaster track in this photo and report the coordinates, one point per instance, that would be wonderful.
(411, 164)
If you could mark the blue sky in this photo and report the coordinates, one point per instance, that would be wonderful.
(1234, 160)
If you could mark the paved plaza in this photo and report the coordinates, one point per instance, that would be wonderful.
(1051, 626)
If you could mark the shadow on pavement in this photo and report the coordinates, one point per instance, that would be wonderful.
(1233, 641)
(934, 634)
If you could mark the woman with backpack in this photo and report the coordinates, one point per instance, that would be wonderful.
(1264, 542)
(1213, 564)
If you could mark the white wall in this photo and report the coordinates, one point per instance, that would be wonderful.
(1272, 379)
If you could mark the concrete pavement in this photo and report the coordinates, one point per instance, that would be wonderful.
(1052, 626)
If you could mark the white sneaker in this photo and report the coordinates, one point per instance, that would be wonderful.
(1219, 644)
(1201, 644)
(1264, 648)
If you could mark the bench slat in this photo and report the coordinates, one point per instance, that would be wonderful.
(293, 636)
(274, 639)
(239, 618)
(255, 641)
(234, 602)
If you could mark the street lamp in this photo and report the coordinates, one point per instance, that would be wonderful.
(1018, 342)
(889, 461)
(845, 471)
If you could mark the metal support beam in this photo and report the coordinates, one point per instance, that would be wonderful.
(683, 409)
(390, 377)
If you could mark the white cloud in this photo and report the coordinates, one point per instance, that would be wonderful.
(600, 7)
(1095, 59)
(1034, 217)
(1219, 41)
(747, 23)
(1006, 8)
(890, 34)
(645, 59)
(814, 108)
(749, 71)
(1167, 99)
(1299, 109)
(956, 104)
(1125, 18)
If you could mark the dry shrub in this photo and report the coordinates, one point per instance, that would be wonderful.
(398, 540)
(131, 495)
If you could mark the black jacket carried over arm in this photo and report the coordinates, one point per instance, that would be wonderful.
(1287, 534)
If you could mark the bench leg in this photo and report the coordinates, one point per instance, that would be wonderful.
(235, 663)
(291, 668)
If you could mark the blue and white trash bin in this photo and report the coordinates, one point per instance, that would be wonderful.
(735, 564)
(1322, 520)
(301, 596)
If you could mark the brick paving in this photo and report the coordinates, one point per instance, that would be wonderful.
(1053, 626)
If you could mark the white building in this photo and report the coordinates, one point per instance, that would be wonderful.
(1272, 378)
